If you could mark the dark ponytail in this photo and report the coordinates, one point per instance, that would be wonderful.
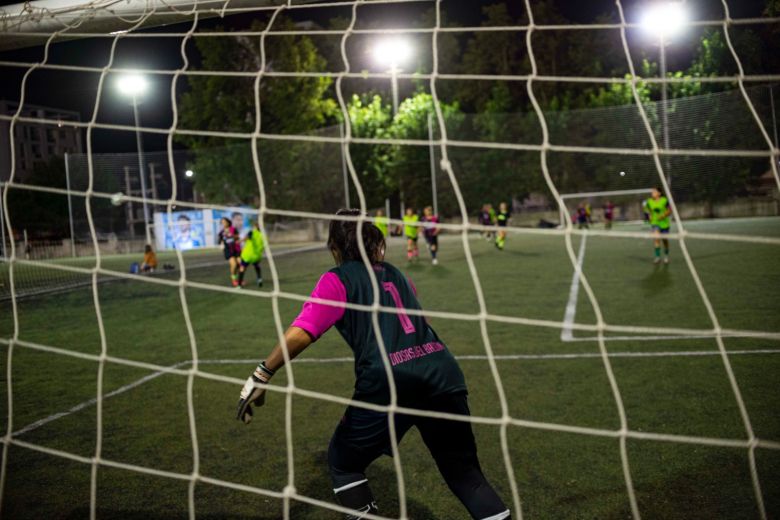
(342, 238)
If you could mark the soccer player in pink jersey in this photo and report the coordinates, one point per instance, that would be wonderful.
(425, 374)
(609, 214)
(231, 247)
(431, 232)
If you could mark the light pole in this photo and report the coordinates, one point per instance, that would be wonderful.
(134, 85)
(189, 174)
(392, 53)
(662, 20)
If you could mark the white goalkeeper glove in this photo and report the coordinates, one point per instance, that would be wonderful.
(253, 392)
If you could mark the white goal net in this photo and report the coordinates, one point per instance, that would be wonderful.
(291, 174)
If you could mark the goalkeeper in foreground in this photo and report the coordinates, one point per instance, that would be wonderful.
(425, 373)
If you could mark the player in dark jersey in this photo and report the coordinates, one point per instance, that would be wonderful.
(582, 217)
(431, 232)
(609, 214)
(425, 374)
(486, 219)
(231, 247)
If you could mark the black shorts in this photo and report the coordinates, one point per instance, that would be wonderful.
(244, 263)
(432, 240)
(230, 253)
(363, 435)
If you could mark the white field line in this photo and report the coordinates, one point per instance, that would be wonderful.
(515, 357)
(72, 285)
(574, 290)
(90, 402)
(346, 359)
(649, 338)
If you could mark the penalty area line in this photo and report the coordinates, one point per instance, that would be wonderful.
(464, 357)
(90, 402)
(567, 333)
(511, 357)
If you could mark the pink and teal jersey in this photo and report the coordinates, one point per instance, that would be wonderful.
(430, 228)
(422, 366)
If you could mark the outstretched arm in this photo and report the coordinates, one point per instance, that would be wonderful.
(311, 323)
(297, 340)
(254, 389)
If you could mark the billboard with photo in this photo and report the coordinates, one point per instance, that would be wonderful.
(181, 230)
(195, 229)
(240, 218)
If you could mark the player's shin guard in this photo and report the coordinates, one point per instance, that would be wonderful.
(357, 496)
(241, 276)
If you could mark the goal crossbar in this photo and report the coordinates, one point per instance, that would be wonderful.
(612, 193)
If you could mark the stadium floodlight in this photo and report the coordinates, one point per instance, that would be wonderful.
(135, 85)
(393, 52)
(132, 84)
(664, 20)
(189, 173)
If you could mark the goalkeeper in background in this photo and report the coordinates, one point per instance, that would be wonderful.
(411, 232)
(658, 210)
(251, 254)
(502, 219)
(426, 376)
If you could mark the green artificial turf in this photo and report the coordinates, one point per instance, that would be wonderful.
(547, 382)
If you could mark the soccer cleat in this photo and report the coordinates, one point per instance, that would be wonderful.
(234, 282)
(666, 259)
(259, 282)
(657, 260)
(435, 262)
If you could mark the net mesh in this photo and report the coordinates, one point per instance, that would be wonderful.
(450, 141)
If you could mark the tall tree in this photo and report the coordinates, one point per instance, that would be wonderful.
(289, 105)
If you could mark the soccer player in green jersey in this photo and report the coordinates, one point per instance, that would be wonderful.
(502, 219)
(426, 375)
(251, 254)
(381, 222)
(410, 232)
(658, 210)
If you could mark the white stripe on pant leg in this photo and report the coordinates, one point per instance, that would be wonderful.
(349, 486)
(499, 516)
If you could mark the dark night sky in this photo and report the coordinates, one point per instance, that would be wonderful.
(76, 91)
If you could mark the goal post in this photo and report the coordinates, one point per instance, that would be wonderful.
(626, 204)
